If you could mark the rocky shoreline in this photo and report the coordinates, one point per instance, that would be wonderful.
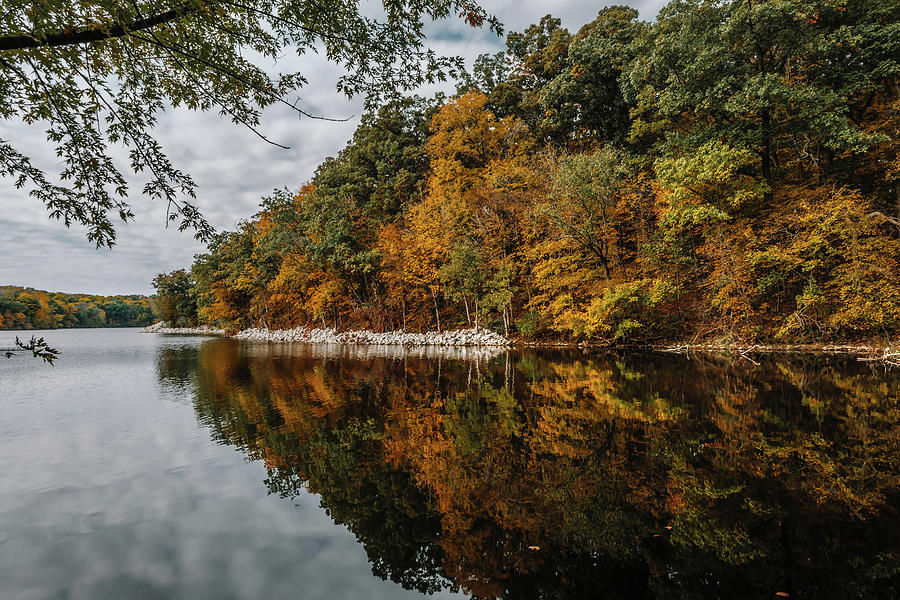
(202, 330)
(484, 338)
(455, 338)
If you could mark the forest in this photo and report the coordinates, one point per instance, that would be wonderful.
(27, 308)
(728, 171)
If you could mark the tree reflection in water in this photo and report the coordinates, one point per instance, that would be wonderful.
(566, 475)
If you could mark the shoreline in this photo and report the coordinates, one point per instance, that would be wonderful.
(462, 338)
(469, 338)
(160, 327)
(743, 348)
(888, 354)
(454, 338)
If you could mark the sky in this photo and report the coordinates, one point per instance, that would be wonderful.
(232, 167)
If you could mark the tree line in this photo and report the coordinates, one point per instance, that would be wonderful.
(727, 171)
(28, 308)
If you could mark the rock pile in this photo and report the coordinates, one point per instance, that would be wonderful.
(202, 330)
(459, 337)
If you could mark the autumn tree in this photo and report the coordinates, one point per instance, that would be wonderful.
(480, 167)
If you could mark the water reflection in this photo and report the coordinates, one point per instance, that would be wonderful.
(562, 475)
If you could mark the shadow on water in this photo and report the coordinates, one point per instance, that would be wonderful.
(566, 475)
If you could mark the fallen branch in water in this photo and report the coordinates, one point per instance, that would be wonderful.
(747, 351)
(860, 350)
(889, 356)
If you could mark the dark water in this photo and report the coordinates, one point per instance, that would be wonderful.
(145, 466)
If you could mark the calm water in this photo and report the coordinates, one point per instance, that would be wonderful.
(144, 466)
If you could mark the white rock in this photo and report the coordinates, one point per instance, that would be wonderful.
(202, 330)
(460, 337)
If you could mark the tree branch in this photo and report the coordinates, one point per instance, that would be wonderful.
(93, 33)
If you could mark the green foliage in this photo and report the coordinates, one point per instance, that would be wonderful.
(585, 197)
(534, 58)
(463, 276)
(713, 174)
(768, 77)
(383, 165)
(631, 311)
(584, 101)
(37, 347)
(175, 302)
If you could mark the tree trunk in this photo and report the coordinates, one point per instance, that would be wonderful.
(604, 263)
(766, 155)
(506, 318)
(437, 314)
(827, 160)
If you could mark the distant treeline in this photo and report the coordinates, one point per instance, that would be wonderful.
(727, 171)
(27, 308)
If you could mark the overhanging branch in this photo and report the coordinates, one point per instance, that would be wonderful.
(95, 33)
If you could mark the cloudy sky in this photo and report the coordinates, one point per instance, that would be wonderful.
(231, 166)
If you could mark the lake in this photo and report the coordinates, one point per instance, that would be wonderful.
(151, 466)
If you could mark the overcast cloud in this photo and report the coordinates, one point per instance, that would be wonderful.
(232, 167)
